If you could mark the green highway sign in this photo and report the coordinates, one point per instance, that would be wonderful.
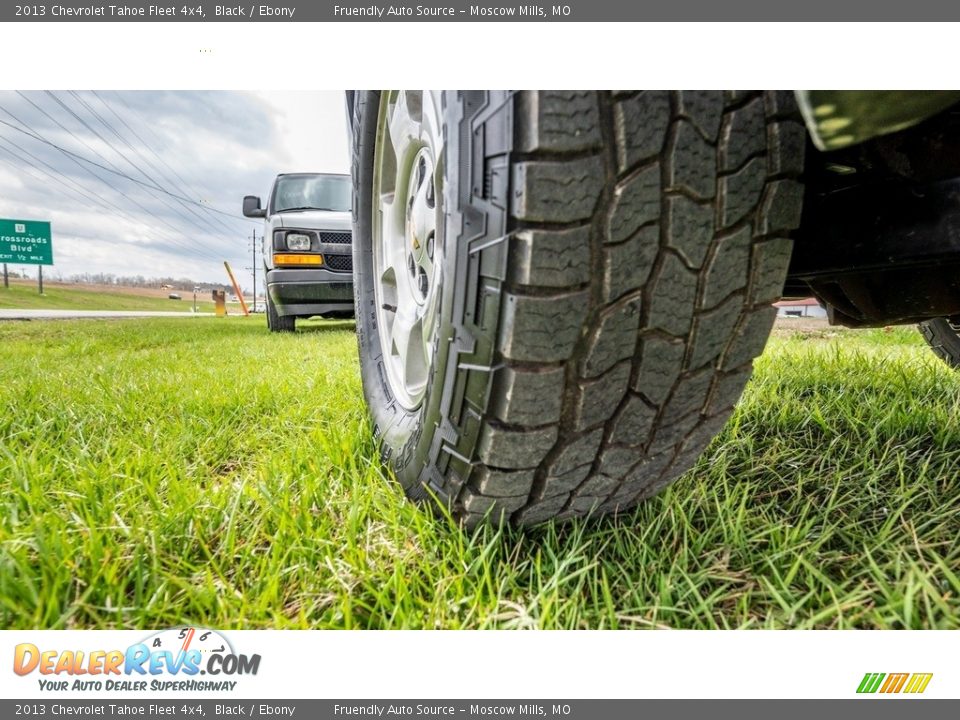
(26, 242)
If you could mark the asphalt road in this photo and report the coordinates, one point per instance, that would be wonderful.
(6, 314)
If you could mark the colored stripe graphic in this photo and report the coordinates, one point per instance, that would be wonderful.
(892, 683)
(870, 682)
(918, 682)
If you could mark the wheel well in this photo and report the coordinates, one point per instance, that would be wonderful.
(879, 240)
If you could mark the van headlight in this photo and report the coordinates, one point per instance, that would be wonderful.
(298, 241)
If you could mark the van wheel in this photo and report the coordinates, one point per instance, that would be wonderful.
(277, 322)
(560, 294)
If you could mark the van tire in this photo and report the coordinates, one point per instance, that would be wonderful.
(277, 322)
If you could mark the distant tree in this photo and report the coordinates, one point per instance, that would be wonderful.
(179, 283)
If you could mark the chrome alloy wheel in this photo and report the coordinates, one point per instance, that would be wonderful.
(408, 236)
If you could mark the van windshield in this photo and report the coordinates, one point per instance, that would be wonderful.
(312, 192)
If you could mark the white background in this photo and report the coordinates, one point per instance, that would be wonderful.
(334, 56)
(496, 55)
(514, 664)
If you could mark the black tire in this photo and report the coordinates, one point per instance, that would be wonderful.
(277, 322)
(609, 264)
(943, 337)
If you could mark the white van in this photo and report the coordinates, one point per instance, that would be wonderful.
(307, 247)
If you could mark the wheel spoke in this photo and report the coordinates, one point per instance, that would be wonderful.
(391, 222)
(388, 289)
(415, 369)
(406, 346)
(406, 122)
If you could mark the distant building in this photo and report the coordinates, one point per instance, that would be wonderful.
(808, 307)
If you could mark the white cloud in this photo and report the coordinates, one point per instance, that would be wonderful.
(312, 130)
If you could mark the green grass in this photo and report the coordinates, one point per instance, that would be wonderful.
(25, 296)
(165, 472)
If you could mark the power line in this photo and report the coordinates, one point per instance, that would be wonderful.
(110, 168)
(143, 172)
(73, 158)
(96, 164)
(149, 130)
(79, 193)
(136, 134)
(96, 177)
(153, 152)
(64, 127)
(103, 202)
(161, 234)
(79, 139)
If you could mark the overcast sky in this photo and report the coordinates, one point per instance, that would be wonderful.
(164, 162)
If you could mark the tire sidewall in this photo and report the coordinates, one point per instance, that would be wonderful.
(409, 440)
(277, 322)
(943, 339)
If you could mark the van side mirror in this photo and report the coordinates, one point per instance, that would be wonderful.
(251, 207)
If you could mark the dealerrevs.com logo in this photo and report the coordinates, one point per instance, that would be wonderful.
(169, 660)
(889, 683)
